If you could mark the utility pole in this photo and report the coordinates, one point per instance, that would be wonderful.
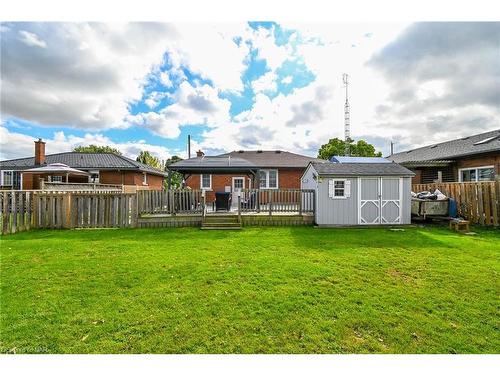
(392, 148)
(347, 116)
(189, 146)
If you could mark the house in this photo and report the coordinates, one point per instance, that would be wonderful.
(359, 191)
(243, 169)
(473, 158)
(102, 168)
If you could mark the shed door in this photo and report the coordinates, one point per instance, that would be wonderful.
(391, 201)
(380, 200)
(369, 204)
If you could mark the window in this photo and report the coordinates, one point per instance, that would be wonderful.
(56, 178)
(7, 178)
(477, 174)
(268, 179)
(94, 177)
(339, 188)
(144, 178)
(206, 181)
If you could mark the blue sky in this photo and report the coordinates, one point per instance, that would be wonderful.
(256, 85)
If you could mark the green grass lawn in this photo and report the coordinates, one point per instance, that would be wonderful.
(262, 290)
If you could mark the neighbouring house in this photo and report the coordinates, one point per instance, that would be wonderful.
(473, 158)
(243, 169)
(98, 168)
(359, 191)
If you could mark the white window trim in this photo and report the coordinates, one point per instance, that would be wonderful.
(201, 182)
(345, 196)
(472, 168)
(235, 178)
(144, 178)
(97, 172)
(266, 171)
(52, 178)
(2, 178)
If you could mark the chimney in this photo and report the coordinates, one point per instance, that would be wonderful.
(39, 152)
(200, 154)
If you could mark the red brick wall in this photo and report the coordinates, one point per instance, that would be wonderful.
(479, 161)
(287, 179)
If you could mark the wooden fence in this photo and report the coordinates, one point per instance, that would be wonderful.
(24, 210)
(478, 202)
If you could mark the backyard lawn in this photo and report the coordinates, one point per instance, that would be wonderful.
(261, 290)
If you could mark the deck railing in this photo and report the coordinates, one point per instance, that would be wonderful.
(278, 200)
(176, 201)
(80, 186)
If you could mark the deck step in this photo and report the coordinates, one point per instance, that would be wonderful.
(221, 228)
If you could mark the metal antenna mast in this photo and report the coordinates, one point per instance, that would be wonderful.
(347, 116)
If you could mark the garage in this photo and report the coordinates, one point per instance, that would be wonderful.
(359, 191)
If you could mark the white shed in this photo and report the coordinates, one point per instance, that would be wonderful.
(359, 191)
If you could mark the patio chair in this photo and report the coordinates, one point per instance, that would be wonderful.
(222, 201)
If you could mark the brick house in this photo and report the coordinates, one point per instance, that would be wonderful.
(473, 158)
(102, 168)
(237, 170)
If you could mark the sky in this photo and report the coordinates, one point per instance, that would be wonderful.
(254, 85)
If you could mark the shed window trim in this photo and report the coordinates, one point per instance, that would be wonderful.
(204, 186)
(476, 173)
(265, 179)
(339, 188)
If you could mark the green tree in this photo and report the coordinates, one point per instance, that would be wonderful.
(93, 149)
(176, 177)
(336, 147)
(145, 157)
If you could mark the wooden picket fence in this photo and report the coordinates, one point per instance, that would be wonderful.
(478, 202)
(24, 210)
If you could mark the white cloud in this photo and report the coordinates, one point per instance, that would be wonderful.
(64, 143)
(165, 80)
(87, 75)
(265, 83)
(287, 80)
(31, 39)
(192, 106)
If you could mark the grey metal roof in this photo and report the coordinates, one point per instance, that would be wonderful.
(273, 159)
(361, 169)
(475, 144)
(85, 161)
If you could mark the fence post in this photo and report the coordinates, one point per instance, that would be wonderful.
(300, 201)
(67, 210)
(5, 213)
(270, 198)
(135, 209)
(239, 207)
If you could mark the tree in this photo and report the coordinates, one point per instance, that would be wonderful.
(145, 157)
(93, 149)
(176, 177)
(336, 147)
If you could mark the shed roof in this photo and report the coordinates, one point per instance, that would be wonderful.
(82, 160)
(361, 169)
(475, 144)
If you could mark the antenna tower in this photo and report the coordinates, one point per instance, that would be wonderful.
(347, 116)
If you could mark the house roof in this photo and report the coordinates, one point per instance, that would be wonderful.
(85, 161)
(243, 161)
(358, 159)
(273, 159)
(207, 163)
(361, 169)
(475, 144)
